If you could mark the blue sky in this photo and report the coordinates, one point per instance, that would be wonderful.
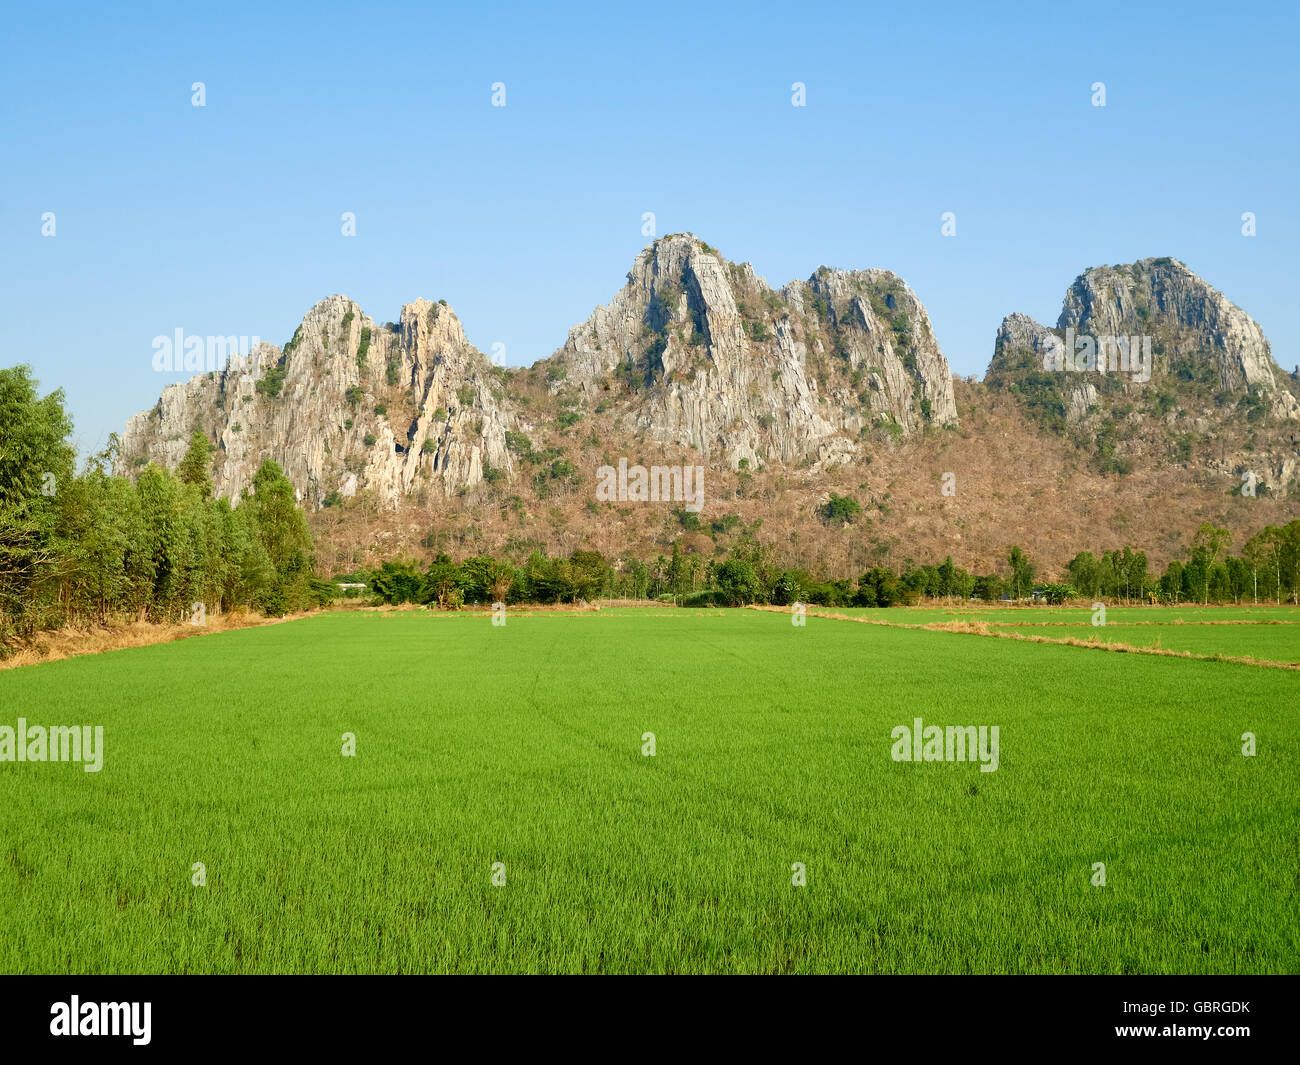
(225, 219)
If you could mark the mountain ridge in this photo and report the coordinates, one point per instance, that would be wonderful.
(697, 359)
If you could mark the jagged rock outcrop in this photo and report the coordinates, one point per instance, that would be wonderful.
(694, 352)
(720, 362)
(1024, 345)
(1152, 348)
(345, 404)
(1196, 333)
(1198, 322)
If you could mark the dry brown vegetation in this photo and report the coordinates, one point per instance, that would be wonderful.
(974, 627)
(1015, 484)
(71, 642)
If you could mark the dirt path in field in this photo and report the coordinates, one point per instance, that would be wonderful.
(981, 628)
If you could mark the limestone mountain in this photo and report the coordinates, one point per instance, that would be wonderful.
(1149, 363)
(718, 361)
(345, 404)
(403, 438)
(693, 352)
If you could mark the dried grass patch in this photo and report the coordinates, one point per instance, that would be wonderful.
(979, 628)
(71, 642)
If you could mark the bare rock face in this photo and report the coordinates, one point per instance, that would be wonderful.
(1020, 352)
(346, 402)
(1195, 323)
(716, 360)
(1210, 375)
(1195, 334)
(1019, 332)
(693, 351)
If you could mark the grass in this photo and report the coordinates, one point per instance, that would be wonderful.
(1268, 633)
(522, 745)
(1277, 643)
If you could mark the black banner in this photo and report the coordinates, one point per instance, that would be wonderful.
(1241, 1016)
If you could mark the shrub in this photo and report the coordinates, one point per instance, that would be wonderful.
(520, 444)
(706, 597)
(724, 524)
(294, 341)
(271, 382)
(839, 508)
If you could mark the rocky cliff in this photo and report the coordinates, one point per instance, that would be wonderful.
(698, 357)
(345, 404)
(1196, 335)
(694, 352)
(1149, 362)
(718, 361)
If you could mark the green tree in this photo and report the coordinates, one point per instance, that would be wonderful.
(1208, 547)
(196, 466)
(878, 587)
(1262, 555)
(591, 574)
(443, 583)
(1084, 573)
(840, 508)
(36, 464)
(1022, 573)
(1289, 558)
(737, 582)
(283, 532)
(946, 573)
(398, 582)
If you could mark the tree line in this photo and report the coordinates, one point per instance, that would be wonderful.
(80, 548)
(1267, 569)
(87, 547)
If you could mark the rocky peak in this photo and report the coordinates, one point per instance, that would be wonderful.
(1200, 385)
(1199, 324)
(1199, 341)
(346, 404)
(717, 360)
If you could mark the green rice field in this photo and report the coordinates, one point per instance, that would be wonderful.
(499, 814)
(1269, 634)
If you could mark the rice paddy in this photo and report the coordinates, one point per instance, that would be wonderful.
(659, 791)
